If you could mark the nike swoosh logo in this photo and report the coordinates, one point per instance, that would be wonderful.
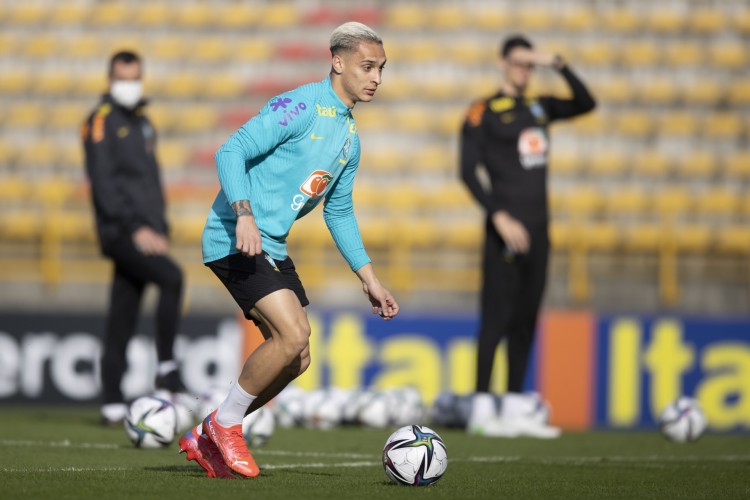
(316, 137)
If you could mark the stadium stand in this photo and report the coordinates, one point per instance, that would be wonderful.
(658, 170)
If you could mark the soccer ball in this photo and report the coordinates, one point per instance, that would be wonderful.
(683, 420)
(323, 409)
(289, 407)
(184, 405)
(415, 455)
(373, 409)
(258, 426)
(151, 422)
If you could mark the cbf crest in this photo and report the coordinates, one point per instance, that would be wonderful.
(344, 155)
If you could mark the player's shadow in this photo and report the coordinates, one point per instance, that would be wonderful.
(185, 469)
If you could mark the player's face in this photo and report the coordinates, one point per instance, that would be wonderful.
(122, 71)
(519, 66)
(361, 72)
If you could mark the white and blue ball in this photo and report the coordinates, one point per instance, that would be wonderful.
(151, 422)
(415, 455)
(683, 420)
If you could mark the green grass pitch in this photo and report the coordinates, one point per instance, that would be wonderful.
(63, 453)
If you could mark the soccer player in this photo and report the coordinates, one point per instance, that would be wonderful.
(508, 134)
(302, 148)
(120, 147)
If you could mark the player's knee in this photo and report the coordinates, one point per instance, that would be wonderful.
(172, 279)
(297, 340)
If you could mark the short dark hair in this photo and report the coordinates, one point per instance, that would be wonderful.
(123, 56)
(512, 42)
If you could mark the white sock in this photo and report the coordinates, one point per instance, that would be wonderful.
(166, 367)
(514, 405)
(232, 410)
(482, 407)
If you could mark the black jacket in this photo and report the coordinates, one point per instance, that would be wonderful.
(509, 135)
(121, 164)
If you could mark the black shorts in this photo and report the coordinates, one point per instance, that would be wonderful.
(249, 279)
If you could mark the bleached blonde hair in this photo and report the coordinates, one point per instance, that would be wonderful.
(349, 35)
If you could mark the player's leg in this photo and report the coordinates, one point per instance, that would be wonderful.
(125, 298)
(296, 368)
(518, 409)
(499, 281)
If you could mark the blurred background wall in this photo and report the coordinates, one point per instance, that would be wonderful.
(648, 192)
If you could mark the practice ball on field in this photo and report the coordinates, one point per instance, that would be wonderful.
(683, 420)
(415, 455)
(151, 422)
(258, 426)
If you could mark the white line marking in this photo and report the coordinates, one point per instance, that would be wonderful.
(67, 469)
(57, 444)
(281, 453)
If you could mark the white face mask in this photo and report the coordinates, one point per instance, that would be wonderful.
(127, 93)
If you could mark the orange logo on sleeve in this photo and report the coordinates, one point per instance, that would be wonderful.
(474, 116)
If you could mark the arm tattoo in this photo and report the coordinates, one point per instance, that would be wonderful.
(242, 207)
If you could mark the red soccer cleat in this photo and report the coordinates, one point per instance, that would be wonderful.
(231, 445)
(201, 449)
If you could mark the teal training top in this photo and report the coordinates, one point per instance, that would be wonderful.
(300, 148)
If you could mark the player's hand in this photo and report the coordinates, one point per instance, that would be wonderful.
(513, 233)
(149, 242)
(383, 303)
(248, 236)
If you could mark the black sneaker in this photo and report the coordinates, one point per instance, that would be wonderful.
(171, 382)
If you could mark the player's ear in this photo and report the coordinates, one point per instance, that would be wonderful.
(338, 64)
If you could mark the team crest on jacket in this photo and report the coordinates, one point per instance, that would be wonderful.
(345, 151)
(316, 184)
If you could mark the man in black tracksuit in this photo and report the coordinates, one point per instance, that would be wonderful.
(120, 144)
(508, 134)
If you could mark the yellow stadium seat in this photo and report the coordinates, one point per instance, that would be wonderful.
(43, 156)
(607, 164)
(435, 159)
(640, 53)
(739, 91)
(68, 116)
(659, 91)
(55, 84)
(108, 14)
(601, 236)
(25, 114)
(635, 123)
(672, 201)
(532, 18)
(703, 91)
(722, 125)
(683, 123)
(86, 47)
(253, 49)
(405, 16)
(684, 53)
(627, 201)
(697, 164)
(560, 235)
(650, 163)
(15, 81)
(199, 118)
(492, 19)
(642, 237)
(693, 237)
(737, 164)
(71, 157)
(450, 121)
(195, 15)
(227, 86)
(665, 20)
(173, 155)
(601, 53)
(593, 123)
(620, 20)
(707, 21)
(615, 90)
(728, 54)
(733, 239)
(14, 188)
(419, 52)
(41, 46)
(91, 85)
(27, 14)
(169, 48)
(449, 17)
(8, 154)
(236, 15)
(182, 85)
(469, 52)
(584, 201)
(566, 163)
(412, 119)
(20, 226)
(69, 13)
(53, 191)
(211, 49)
(578, 19)
(8, 44)
(280, 15)
(153, 14)
(741, 21)
(718, 201)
